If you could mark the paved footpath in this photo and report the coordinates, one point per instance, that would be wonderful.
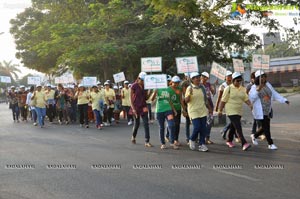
(69, 162)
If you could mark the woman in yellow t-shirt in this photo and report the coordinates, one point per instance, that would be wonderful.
(233, 98)
(96, 99)
(110, 98)
(82, 102)
(40, 107)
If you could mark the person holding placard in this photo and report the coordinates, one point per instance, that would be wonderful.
(82, 102)
(261, 95)
(198, 109)
(138, 97)
(40, 107)
(232, 99)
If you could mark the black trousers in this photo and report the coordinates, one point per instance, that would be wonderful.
(236, 127)
(264, 128)
(83, 114)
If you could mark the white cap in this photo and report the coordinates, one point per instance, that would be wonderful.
(169, 77)
(236, 75)
(80, 85)
(48, 85)
(38, 85)
(115, 87)
(194, 74)
(142, 75)
(228, 73)
(98, 82)
(259, 73)
(205, 74)
(176, 79)
(126, 82)
(187, 74)
(106, 83)
(120, 87)
(22, 86)
(12, 87)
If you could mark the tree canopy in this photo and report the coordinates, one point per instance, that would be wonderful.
(103, 37)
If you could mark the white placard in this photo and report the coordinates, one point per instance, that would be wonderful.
(238, 65)
(5, 79)
(66, 79)
(261, 62)
(155, 81)
(119, 77)
(151, 64)
(218, 71)
(34, 80)
(89, 81)
(187, 64)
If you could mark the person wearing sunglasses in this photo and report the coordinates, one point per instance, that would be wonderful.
(232, 99)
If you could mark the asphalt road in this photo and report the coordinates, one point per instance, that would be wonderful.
(69, 162)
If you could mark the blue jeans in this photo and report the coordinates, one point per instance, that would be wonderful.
(161, 117)
(33, 115)
(199, 129)
(137, 125)
(177, 121)
(41, 113)
(15, 111)
(126, 109)
(98, 117)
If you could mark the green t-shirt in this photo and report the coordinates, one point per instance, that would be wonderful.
(163, 100)
(175, 97)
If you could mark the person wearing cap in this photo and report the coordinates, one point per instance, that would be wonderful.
(61, 104)
(184, 84)
(40, 107)
(125, 95)
(50, 98)
(198, 109)
(210, 90)
(82, 103)
(232, 99)
(262, 94)
(117, 104)
(22, 96)
(31, 106)
(13, 103)
(96, 98)
(138, 97)
(228, 80)
(109, 100)
(177, 101)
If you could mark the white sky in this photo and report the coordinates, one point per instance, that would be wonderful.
(10, 8)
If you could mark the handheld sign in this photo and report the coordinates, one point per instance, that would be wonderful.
(34, 80)
(5, 79)
(119, 77)
(155, 81)
(186, 64)
(238, 65)
(89, 81)
(218, 71)
(261, 62)
(151, 64)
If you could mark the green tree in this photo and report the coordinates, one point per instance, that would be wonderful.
(9, 69)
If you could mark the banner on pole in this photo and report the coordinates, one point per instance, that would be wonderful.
(186, 64)
(238, 65)
(155, 81)
(5, 79)
(151, 64)
(261, 61)
(89, 81)
(119, 77)
(218, 71)
(34, 80)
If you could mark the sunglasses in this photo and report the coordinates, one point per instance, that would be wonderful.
(239, 80)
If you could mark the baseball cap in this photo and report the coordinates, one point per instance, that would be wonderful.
(259, 73)
(176, 79)
(228, 73)
(169, 77)
(106, 83)
(142, 75)
(236, 75)
(194, 74)
(205, 74)
(126, 82)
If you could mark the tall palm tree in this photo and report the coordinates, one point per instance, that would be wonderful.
(10, 69)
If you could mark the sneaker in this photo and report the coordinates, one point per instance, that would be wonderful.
(177, 143)
(254, 141)
(163, 146)
(167, 139)
(67, 122)
(148, 144)
(99, 127)
(112, 119)
(237, 140)
(129, 123)
(192, 145)
(203, 148)
(35, 124)
(246, 146)
(60, 122)
(133, 140)
(230, 144)
(105, 124)
(272, 147)
(87, 126)
(174, 146)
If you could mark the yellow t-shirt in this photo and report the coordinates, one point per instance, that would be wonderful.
(234, 98)
(83, 97)
(95, 98)
(40, 99)
(126, 99)
(109, 95)
(196, 105)
(49, 94)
